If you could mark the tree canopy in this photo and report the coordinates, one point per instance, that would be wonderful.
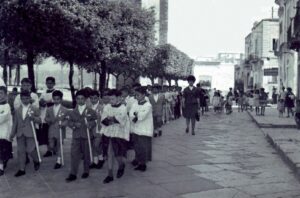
(97, 35)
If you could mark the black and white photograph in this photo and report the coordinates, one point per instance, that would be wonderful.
(150, 98)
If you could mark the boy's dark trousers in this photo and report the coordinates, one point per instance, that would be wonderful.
(79, 151)
(26, 145)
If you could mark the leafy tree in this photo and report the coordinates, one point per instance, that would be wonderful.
(22, 26)
(131, 39)
(169, 63)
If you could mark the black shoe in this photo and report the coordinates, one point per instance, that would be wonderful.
(36, 165)
(20, 173)
(1, 172)
(135, 163)
(27, 160)
(48, 154)
(100, 164)
(84, 175)
(5, 164)
(141, 167)
(121, 171)
(159, 133)
(108, 179)
(187, 130)
(93, 165)
(57, 166)
(155, 135)
(71, 178)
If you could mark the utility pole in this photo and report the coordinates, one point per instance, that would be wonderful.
(272, 12)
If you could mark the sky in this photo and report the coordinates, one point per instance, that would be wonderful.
(203, 28)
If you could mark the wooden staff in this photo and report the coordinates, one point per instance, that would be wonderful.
(89, 140)
(35, 138)
(61, 144)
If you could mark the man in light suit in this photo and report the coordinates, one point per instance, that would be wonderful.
(23, 130)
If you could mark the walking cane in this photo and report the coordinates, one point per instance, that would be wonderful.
(89, 141)
(61, 144)
(35, 139)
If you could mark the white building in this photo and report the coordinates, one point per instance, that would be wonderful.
(220, 70)
(259, 54)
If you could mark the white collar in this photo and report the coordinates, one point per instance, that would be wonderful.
(81, 108)
(95, 106)
(25, 106)
(57, 105)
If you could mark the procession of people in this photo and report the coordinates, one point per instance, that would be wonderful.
(103, 129)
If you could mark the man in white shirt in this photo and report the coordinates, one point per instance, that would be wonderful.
(45, 102)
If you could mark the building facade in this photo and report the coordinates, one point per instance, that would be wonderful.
(287, 57)
(261, 64)
(217, 72)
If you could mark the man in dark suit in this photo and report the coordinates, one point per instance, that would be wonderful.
(80, 146)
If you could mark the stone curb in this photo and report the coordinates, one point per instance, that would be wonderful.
(277, 126)
(284, 156)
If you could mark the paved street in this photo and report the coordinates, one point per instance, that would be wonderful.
(228, 157)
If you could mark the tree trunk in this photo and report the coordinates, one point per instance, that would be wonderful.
(99, 83)
(170, 82)
(176, 82)
(71, 84)
(9, 75)
(5, 66)
(102, 80)
(95, 81)
(30, 63)
(152, 81)
(18, 74)
(117, 81)
(5, 73)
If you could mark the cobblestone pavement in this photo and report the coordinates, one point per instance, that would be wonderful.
(228, 157)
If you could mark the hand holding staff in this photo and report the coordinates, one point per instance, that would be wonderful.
(34, 136)
(89, 140)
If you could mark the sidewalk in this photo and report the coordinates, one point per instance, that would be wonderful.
(271, 120)
(282, 135)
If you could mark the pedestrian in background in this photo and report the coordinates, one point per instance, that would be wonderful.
(190, 104)
(282, 96)
(251, 100)
(289, 102)
(297, 114)
(280, 107)
(263, 97)
(177, 108)
(256, 101)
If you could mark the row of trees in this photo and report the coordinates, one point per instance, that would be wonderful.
(105, 37)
